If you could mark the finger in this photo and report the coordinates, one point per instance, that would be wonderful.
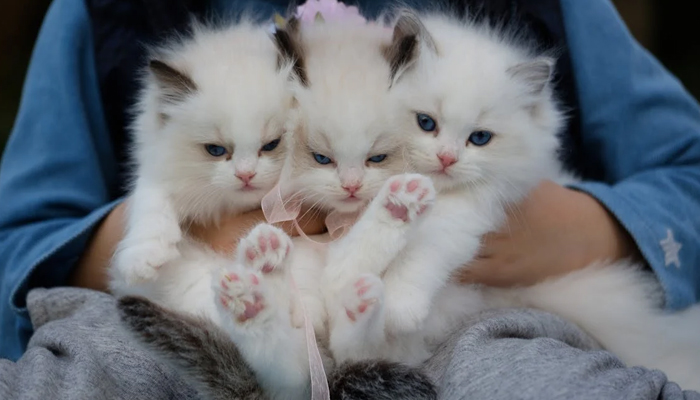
(490, 272)
(473, 272)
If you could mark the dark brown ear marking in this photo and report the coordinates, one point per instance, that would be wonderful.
(402, 53)
(405, 43)
(290, 49)
(175, 86)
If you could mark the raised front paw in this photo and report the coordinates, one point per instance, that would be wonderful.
(140, 261)
(363, 297)
(265, 249)
(240, 295)
(407, 196)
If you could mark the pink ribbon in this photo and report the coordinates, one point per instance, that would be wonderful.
(277, 210)
(319, 382)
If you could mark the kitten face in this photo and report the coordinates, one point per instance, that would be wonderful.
(480, 113)
(229, 151)
(218, 105)
(347, 141)
(341, 162)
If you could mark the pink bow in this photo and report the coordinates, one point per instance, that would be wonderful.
(329, 11)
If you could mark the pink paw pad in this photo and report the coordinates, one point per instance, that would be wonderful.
(274, 241)
(251, 253)
(265, 248)
(397, 211)
(395, 185)
(239, 296)
(228, 278)
(364, 293)
(252, 309)
(409, 196)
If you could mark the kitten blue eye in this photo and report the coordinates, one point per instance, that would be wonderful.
(426, 123)
(377, 159)
(321, 159)
(270, 146)
(214, 150)
(480, 138)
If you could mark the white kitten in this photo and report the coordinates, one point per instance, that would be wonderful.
(485, 133)
(207, 142)
(476, 137)
(344, 143)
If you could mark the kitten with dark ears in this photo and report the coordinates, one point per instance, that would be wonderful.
(344, 143)
(208, 142)
(483, 123)
(453, 97)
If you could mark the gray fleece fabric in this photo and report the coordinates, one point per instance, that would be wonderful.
(79, 351)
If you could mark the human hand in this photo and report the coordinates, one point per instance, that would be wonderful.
(224, 237)
(555, 230)
(91, 269)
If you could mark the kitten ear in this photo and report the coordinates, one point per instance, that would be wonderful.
(404, 50)
(536, 74)
(290, 49)
(174, 85)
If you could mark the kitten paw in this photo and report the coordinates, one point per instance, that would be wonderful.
(265, 249)
(240, 295)
(363, 297)
(140, 262)
(408, 196)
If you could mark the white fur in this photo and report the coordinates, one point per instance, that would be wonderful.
(475, 82)
(479, 79)
(469, 85)
(345, 114)
(241, 102)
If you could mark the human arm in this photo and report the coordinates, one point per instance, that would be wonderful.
(641, 139)
(58, 173)
(555, 230)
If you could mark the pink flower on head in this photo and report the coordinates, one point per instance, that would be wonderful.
(330, 10)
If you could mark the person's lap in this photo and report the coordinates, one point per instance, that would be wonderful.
(529, 354)
(79, 351)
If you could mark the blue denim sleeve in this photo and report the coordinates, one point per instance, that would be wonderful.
(57, 170)
(642, 129)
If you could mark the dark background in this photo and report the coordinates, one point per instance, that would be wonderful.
(668, 28)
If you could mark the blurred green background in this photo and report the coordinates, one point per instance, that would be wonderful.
(668, 28)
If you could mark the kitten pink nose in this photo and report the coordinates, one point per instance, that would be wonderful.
(352, 188)
(245, 176)
(447, 159)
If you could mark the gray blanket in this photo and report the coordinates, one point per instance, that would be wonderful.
(79, 352)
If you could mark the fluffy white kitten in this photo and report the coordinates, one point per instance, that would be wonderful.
(484, 131)
(482, 126)
(208, 132)
(344, 143)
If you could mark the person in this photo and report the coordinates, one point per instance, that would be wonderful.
(634, 138)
